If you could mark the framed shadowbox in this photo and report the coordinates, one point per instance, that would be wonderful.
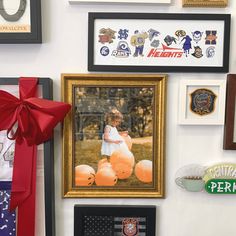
(113, 140)
(141, 42)
(93, 220)
(205, 3)
(202, 102)
(45, 213)
(230, 117)
(20, 21)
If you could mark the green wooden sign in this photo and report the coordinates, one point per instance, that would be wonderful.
(221, 186)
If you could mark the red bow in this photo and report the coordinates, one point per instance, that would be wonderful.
(35, 119)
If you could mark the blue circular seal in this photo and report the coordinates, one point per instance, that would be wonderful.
(104, 51)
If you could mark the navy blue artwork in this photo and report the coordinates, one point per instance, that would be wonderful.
(7, 219)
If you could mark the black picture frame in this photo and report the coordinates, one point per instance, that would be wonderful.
(49, 193)
(35, 34)
(93, 16)
(130, 211)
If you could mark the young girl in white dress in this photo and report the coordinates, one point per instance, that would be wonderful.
(112, 140)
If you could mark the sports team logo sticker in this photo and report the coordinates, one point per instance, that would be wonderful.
(123, 34)
(197, 36)
(202, 101)
(210, 52)
(198, 52)
(122, 50)
(104, 51)
(130, 227)
(211, 36)
(106, 35)
(138, 41)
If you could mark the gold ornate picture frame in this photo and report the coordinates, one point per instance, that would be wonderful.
(111, 110)
(205, 3)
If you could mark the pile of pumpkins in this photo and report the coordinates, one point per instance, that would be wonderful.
(120, 166)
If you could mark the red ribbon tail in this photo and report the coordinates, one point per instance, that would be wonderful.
(23, 187)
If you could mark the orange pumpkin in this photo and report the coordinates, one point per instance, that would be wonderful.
(108, 164)
(84, 175)
(143, 171)
(123, 171)
(122, 156)
(105, 176)
(127, 140)
(102, 161)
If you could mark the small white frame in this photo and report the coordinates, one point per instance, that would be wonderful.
(120, 1)
(187, 117)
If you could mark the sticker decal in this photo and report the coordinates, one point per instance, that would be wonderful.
(104, 51)
(138, 41)
(155, 43)
(169, 40)
(197, 36)
(122, 51)
(202, 101)
(106, 35)
(180, 33)
(165, 52)
(123, 34)
(211, 37)
(187, 44)
(198, 52)
(153, 33)
(130, 227)
(210, 52)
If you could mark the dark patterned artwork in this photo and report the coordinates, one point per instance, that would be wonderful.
(7, 219)
(114, 220)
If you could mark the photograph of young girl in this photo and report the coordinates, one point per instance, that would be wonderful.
(114, 136)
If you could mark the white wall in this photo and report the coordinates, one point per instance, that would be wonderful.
(64, 50)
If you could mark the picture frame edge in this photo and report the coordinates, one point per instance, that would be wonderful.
(68, 191)
(49, 196)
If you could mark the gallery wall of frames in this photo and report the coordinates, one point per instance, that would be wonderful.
(148, 145)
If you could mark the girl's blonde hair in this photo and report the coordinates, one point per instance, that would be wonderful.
(114, 114)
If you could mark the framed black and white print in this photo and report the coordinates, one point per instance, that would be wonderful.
(20, 21)
(106, 220)
(45, 202)
(158, 42)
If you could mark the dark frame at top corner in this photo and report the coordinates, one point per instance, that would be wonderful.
(229, 142)
(147, 211)
(49, 192)
(35, 34)
(93, 16)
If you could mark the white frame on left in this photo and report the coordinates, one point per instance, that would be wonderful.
(120, 1)
(187, 117)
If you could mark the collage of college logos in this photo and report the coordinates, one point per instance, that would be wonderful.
(123, 43)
